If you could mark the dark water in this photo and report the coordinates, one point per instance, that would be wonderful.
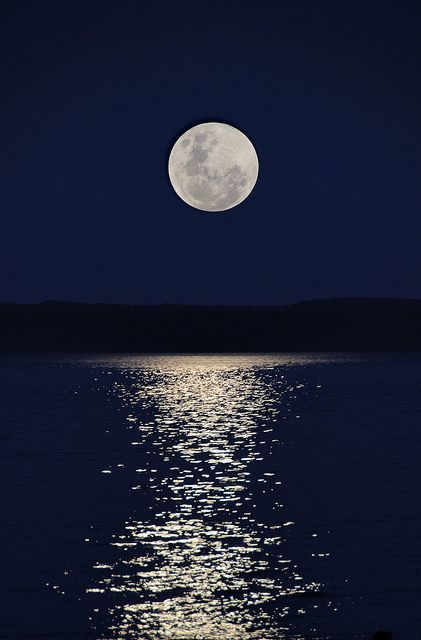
(217, 497)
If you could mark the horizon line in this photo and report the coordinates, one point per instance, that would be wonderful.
(59, 301)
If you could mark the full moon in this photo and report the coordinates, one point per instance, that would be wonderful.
(213, 166)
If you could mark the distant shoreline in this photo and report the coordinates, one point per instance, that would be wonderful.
(338, 324)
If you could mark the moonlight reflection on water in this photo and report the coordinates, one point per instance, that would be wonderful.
(211, 496)
(214, 558)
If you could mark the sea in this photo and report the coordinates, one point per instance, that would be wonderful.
(210, 496)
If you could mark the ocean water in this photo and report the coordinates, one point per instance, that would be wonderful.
(223, 497)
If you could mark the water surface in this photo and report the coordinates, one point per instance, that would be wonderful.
(218, 497)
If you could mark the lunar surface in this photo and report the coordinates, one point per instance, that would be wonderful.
(213, 166)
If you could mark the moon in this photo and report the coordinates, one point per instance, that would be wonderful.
(213, 166)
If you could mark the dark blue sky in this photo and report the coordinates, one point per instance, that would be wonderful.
(93, 94)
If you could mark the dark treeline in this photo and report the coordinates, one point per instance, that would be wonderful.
(349, 324)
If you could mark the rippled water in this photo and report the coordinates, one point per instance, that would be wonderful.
(217, 497)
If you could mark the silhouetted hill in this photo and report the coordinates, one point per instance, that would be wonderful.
(342, 324)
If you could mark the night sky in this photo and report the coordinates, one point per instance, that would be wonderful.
(94, 94)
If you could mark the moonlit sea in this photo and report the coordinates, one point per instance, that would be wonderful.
(211, 497)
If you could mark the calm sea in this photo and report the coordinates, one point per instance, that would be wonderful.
(214, 497)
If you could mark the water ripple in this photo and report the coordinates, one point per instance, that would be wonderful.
(205, 564)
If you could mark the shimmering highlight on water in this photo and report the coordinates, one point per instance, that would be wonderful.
(204, 565)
